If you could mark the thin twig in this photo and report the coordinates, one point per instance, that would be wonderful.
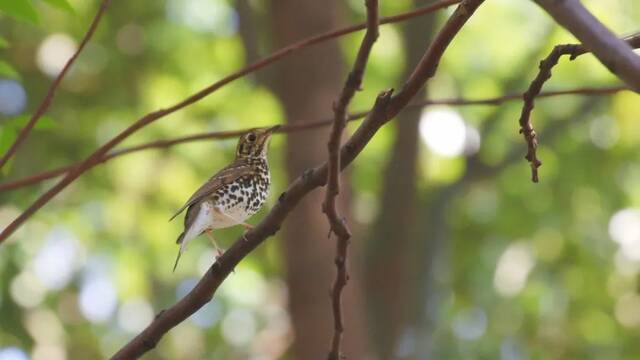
(46, 102)
(546, 65)
(337, 224)
(612, 52)
(97, 155)
(384, 109)
(286, 129)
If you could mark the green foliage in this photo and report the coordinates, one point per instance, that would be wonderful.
(61, 4)
(20, 9)
(24, 10)
(578, 298)
(7, 137)
(10, 129)
(44, 123)
(7, 71)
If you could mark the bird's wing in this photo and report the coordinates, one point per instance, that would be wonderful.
(225, 176)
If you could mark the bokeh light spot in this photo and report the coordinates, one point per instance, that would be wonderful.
(208, 315)
(54, 263)
(604, 132)
(134, 315)
(470, 324)
(627, 310)
(246, 287)
(49, 352)
(239, 327)
(26, 290)
(624, 229)
(98, 299)
(12, 353)
(54, 52)
(204, 15)
(44, 326)
(445, 132)
(513, 268)
(13, 97)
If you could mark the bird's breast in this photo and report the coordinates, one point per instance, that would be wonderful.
(241, 199)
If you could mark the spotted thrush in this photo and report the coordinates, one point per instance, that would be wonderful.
(233, 194)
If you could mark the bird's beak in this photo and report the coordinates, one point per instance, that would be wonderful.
(273, 129)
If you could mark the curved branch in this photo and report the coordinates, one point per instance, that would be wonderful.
(612, 52)
(546, 65)
(385, 107)
(95, 158)
(219, 135)
(337, 224)
(54, 86)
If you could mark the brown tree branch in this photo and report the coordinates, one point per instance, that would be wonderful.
(384, 109)
(97, 155)
(546, 65)
(46, 102)
(337, 223)
(612, 52)
(220, 135)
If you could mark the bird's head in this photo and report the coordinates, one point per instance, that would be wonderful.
(255, 142)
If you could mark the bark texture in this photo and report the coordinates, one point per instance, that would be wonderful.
(309, 253)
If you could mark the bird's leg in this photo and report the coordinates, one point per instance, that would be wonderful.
(247, 227)
(209, 233)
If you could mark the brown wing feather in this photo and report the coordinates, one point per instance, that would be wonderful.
(225, 176)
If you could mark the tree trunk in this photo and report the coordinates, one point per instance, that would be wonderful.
(391, 255)
(307, 84)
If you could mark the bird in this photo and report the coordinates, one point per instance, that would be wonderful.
(232, 195)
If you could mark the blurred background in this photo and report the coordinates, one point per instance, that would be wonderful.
(455, 255)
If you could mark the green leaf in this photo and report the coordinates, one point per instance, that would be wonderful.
(20, 9)
(3, 43)
(7, 137)
(10, 130)
(8, 71)
(61, 4)
(44, 123)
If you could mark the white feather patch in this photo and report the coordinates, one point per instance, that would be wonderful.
(203, 222)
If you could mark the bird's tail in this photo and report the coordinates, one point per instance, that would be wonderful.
(187, 235)
(177, 259)
(180, 251)
(180, 238)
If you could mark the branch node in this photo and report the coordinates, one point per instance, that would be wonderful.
(307, 175)
(159, 314)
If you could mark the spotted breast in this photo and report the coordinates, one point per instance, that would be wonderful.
(242, 198)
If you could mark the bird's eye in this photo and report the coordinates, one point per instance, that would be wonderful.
(251, 137)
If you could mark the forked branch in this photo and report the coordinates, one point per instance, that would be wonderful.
(546, 65)
(384, 109)
(337, 224)
(96, 157)
(612, 52)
